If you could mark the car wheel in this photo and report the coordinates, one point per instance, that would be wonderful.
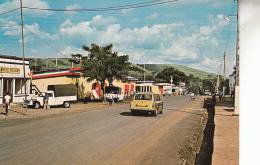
(37, 105)
(66, 104)
(155, 112)
(133, 113)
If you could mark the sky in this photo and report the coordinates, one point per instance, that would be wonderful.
(195, 33)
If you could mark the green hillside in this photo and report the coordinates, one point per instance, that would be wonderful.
(187, 70)
(136, 71)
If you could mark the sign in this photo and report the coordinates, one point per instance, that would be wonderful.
(10, 70)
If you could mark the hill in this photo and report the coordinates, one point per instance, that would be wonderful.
(187, 70)
(136, 71)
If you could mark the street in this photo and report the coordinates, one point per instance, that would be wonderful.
(105, 136)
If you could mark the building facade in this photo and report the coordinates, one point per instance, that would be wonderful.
(74, 76)
(13, 80)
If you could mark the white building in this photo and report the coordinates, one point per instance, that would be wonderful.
(12, 78)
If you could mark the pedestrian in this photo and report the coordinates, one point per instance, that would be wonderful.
(110, 98)
(7, 100)
(220, 95)
(46, 101)
(214, 98)
(232, 93)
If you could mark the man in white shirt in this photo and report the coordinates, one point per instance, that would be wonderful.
(7, 100)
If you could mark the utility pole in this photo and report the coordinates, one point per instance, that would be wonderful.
(237, 47)
(237, 89)
(24, 75)
(56, 63)
(224, 69)
(144, 72)
(224, 75)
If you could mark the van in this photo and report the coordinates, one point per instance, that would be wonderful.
(147, 102)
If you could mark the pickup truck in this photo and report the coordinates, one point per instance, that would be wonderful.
(60, 95)
(115, 93)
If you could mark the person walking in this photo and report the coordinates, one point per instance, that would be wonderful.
(46, 101)
(7, 100)
(220, 95)
(110, 98)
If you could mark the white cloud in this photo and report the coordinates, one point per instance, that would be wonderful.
(77, 30)
(12, 4)
(99, 22)
(72, 7)
(11, 29)
(126, 11)
(72, 50)
(153, 16)
(35, 29)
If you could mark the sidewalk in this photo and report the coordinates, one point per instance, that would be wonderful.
(226, 136)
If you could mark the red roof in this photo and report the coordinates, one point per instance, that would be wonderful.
(51, 74)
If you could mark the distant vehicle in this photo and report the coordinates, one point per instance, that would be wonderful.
(115, 92)
(58, 95)
(146, 102)
(207, 92)
(167, 92)
(192, 95)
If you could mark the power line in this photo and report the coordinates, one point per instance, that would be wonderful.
(130, 6)
(45, 42)
(9, 11)
(8, 25)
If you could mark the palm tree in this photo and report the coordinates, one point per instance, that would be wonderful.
(102, 64)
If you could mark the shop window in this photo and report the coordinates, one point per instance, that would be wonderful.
(19, 86)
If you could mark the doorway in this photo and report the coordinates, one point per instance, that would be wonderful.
(7, 86)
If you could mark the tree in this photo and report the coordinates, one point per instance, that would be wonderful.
(209, 83)
(36, 64)
(166, 73)
(194, 84)
(102, 64)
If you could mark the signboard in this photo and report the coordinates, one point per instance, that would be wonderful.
(9, 70)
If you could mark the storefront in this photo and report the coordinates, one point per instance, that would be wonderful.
(12, 78)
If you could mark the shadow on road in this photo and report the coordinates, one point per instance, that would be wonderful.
(139, 114)
(204, 157)
(2, 113)
(18, 112)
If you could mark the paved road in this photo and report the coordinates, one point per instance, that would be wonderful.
(90, 137)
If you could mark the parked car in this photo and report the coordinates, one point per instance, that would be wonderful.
(147, 102)
(115, 93)
(167, 92)
(59, 95)
(207, 92)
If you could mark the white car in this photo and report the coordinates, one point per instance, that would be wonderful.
(37, 101)
(167, 92)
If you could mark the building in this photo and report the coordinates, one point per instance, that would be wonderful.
(232, 82)
(74, 76)
(12, 78)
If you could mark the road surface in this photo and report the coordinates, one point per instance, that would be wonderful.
(104, 136)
